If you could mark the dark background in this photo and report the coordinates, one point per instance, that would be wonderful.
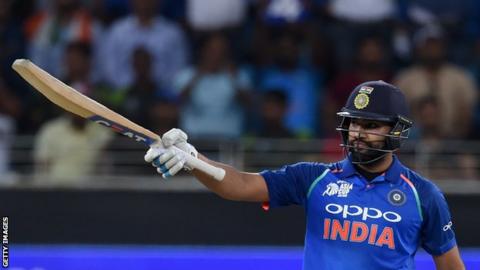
(140, 217)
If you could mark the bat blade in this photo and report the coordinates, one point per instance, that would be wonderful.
(73, 101)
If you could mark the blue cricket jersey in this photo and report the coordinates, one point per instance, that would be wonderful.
(356, 224)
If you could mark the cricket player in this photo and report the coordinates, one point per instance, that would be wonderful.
(367, 211)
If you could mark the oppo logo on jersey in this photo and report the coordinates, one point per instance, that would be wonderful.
(364, 212)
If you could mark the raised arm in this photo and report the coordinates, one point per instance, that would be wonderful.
(236, 185)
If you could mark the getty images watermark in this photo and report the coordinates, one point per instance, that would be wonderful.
(5, 252)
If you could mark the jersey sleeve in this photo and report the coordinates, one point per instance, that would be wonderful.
(437, 231)
(289, 185)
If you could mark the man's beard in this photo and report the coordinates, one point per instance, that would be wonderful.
(362, 155)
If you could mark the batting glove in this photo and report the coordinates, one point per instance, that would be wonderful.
(168, 160)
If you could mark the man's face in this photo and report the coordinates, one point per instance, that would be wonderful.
(371, 56)
(78, 64)
(287, 52)
(432, 53)
(215, 53)
(364, 134)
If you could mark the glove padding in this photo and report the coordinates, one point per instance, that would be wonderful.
(165, 158)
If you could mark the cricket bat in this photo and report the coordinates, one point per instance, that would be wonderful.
(73, 101)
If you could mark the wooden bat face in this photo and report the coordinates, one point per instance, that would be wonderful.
(79, 104)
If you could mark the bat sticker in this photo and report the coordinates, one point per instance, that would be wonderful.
(121, 129)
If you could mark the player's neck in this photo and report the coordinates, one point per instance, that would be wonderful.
(380, 166)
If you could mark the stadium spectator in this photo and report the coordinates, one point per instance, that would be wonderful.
(52, 156)
(103, 14)
(163, 114)
(321, 57)
(85, 139)
(474, 68)
(227, 16)
(77, 65)
(10, 110)
(455, 17)
(59, 138)
(143, 91)
(12, 45)
(10, 105)
(213, 92)
(77, 72)
(163, 39)
(7, 131)
(298, 81)
(433, 75)
(436, 157)
(273, 111)
(351, 20)
(49, 31)
(370, 64)
(272, 18)
(428, 127)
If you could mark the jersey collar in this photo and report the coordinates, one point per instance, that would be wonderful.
(392, 174)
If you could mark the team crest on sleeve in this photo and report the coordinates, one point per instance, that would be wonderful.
(340, 188)
(396, 197)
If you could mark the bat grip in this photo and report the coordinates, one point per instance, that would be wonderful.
(217, 173)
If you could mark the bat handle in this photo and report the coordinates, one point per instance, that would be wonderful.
(217, 173)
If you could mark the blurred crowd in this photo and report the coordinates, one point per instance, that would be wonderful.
(237, 68)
